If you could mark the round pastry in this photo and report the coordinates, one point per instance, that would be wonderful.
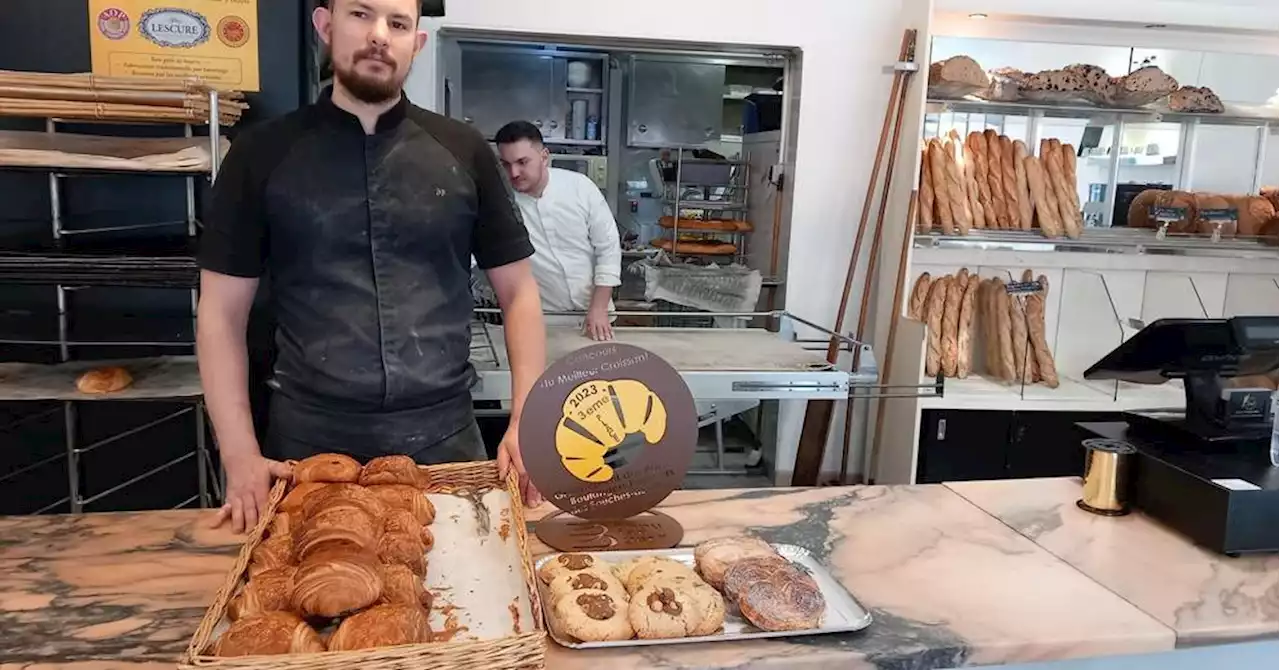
(327, 468)
(268, 591)
(400, 586)
(390, 470)
(651, 568)
(593, 616)
(564, 563)
(1252, 214)
(775, 596)
(381, 626)
(715, 556)
(1178, 200)
(104, 380)
(405, 497)
(293, 500)
(345, 525)
(405, 549)
(660, 611)
(595, 578)
(343, 495)
(333, 584)
(269, 633)
(274, 552)
(1140, 209)
(1211, 201)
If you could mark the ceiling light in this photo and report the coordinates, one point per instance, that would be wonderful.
(978, 16)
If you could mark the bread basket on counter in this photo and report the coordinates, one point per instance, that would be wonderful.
(513, 651)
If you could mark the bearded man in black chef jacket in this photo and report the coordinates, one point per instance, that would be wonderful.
(363, 210)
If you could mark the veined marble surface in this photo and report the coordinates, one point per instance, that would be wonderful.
(1203, 596)
(948, 585)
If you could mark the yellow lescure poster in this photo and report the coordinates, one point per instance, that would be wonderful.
(215, 40)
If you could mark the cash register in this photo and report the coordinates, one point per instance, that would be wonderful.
(1206, 470)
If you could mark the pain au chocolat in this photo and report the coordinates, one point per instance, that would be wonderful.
(268, 591)
(269, 633)
(381, 626)
(405, 497)
(332, 468)
(391, 470)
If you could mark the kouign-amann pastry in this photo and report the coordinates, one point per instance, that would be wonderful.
(405, 497)
(591, 579)
(269, 633)
(715, 556)
(333, 584)
(775, 595)
(268, 591)
(564, 563)
(593, 616)
(327, 468)
(381, 626)
(390, 470)
(659, 611)
(400, 586)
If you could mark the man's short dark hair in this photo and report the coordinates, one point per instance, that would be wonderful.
(518, 130)
(425, 7)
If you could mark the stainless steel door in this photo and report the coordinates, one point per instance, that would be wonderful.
(674, 103)
(501, 85)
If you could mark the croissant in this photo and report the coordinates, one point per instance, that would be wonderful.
(345, 525)
(345, 496)
(401, 586)
(391, 470)
(269, 633)
(405, 549)
(273, 552)
(411, 498)
(268, 591)
(382, 626)
(294, 500)
(333, 584)
(327, 468)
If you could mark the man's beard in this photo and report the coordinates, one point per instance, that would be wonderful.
(366, 89)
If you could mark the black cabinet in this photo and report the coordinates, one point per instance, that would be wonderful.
(960, 445)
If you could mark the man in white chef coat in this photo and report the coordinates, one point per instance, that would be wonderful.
(578, 257)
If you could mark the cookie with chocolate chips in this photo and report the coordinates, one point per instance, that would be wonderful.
(662, 611)
(597, 578)
(562, 563)
(592, 616)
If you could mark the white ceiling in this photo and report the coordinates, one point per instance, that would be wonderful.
(1253, 15)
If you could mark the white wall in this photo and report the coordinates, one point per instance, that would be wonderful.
(1235, 15)
(847, 48)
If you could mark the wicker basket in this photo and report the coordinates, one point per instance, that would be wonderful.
(524, 650)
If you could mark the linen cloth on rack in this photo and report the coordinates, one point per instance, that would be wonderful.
(713, 288)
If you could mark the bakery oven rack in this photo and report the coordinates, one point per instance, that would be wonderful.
(715, 199)
(172, 379)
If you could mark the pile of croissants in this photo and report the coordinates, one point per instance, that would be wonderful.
(990, 181)
(345, 552)
(1011, 326)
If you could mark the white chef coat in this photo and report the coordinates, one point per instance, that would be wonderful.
(575, 241)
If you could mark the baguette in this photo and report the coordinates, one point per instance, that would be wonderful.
(919, 297)
(1004, 331)
(1009, 179)
(1039, 345)
(1063, 192)
(936, 306)
(1032, 365)
(941, 196)
(721, 226)
(964, 345)
(995, 179)
(971, 187)
(987, 315)
(977, 145)
(1026, 207)
(951, 323)
(1046, 206)
(925, 222)
(1069, 171)
(696, 247)
(1018, 338)
(956, 191)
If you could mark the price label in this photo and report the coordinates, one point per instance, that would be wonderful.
(1225, 215)
(1022, 287)
(1168, 214)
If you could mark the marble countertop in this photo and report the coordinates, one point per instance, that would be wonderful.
(948, 583)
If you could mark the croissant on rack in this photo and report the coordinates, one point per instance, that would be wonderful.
(988, 181)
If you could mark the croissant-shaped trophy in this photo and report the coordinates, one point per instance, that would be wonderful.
(604, 423)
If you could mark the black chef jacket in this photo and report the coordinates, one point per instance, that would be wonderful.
(366, 241)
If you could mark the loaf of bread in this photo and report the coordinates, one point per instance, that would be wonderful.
(990, 337)
(1140, 208)
(1143, 86)
(1004, 330)
(1026, 206)
(104, 380)
(1252, 212)
(1270, 231)
(1009, 179)
(976, 151)
(1036, 329)
(974, 196)
(956, 192)
(1005, 86)
(1180, 200)
(942, 194)
(1033, 369)
(695, 247)
(917, 306)
(1272, 194)
(937, 306)
(724, 226)
(995, 179)
(1098, 86)
(956, 77)
(1069, 171)
(964, 348)
(1195, 99)
(1046, 209)
(1053, 86)
(1063, 192)
(951, 323)
(1018, 338)
(1211, 201)
(925, 210)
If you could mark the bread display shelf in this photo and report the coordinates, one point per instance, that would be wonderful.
(479, 574)
(843, 613)
(1101, 240)
(160, 378)
(1236, 115)
(1072, 395)
(70, 152)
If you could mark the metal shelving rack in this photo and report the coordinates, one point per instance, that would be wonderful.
(717, 200)
(176, 393)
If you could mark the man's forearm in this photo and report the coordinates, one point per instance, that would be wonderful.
(526, 343)
(224, 373)
(600, 297)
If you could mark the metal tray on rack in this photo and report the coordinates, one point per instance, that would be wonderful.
(844, 614)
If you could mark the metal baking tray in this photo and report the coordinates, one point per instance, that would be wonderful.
(844, 614)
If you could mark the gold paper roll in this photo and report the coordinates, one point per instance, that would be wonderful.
(1106, 477)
